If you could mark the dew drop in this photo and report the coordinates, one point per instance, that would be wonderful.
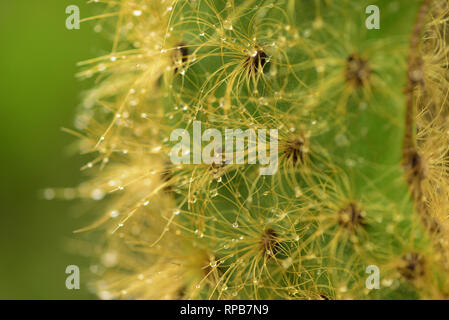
(227, 25)
(109, 259)
(193, 199)
(214, 193)
(114, 214)
(97, 194)
(112, 183)
(98, 28)
(105, 295)
(49, 194)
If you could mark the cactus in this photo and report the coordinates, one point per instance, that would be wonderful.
(362, 143)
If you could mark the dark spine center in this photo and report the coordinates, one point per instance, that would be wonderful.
(166, 177)
(269, 242)
(255, 63)
(182, 292)
(217, 168)
(357, 70)
(294, 151)
(180, 56)
(351, 217)
(414, 164)
(413, 266)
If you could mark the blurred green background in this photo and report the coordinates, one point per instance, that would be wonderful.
(39, 95)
